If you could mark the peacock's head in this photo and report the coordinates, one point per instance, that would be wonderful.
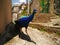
(34, 10)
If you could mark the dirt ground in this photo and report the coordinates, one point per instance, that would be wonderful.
(43, 18)
(37, 37)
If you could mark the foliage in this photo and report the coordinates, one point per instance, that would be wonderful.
(45, 6)
(42, 29)
(58, 33)
(24, 13)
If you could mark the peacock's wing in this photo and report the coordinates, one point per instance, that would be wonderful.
(23, 20)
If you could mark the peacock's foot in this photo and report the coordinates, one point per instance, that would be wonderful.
(20, 35)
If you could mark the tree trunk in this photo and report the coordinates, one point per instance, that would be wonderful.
(51, 9)
(5, 14)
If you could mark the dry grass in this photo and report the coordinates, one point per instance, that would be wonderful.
(43, 17)
(44, 29)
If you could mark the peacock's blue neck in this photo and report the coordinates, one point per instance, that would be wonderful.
(31, 16)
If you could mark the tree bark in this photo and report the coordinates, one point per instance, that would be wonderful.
(51, 9)
(5, 14)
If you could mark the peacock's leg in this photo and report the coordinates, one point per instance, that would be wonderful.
(20, 32)
(26, 30)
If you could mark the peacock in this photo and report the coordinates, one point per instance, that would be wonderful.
(24, 21)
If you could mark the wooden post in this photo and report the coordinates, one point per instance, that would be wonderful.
(51, 9)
